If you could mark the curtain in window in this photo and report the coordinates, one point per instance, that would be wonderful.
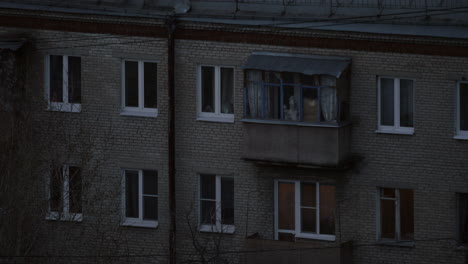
(328, 98)
(254, 93)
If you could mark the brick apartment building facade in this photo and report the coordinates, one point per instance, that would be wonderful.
(295, 142)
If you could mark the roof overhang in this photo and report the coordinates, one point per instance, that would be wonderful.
(285, 62)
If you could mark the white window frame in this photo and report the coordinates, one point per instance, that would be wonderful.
(217, 116)
(297, 213)
(64, 106)
(140, 110)
(65, 215)
(461, 134)
(396, 128)
(218, 227)
(131, 221)
(397, 215)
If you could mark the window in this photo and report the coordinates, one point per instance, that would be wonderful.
(294, 97)
(139, 88)
(216, 204)
(463, 218)
(304, 210)
(396, 105)
(140, 201)
(65, 193)
(216, 93)
(395, 214)
(63, 83)
(462, 110)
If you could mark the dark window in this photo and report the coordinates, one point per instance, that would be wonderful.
(151, 84)
(75, 185)
(56, 78)
(131, 83)
(74, 80)
(463, 218)
(396, 214)
(463, 106)
(150, 195)
(131, 194)
(56, 189)
(208, 89)
(216, 205)
(387, 101)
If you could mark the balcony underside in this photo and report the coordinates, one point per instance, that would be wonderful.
(297, 144)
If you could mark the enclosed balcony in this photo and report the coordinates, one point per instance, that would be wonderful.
(296, 109)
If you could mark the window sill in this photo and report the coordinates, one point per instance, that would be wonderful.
(64, 107)
(220, 119)
(461, 137)
(396, 243)
(397, 132)
(140, 223)
(141, 113)
(55, 216)
(297, 123)
(226, 229)
(316, 236)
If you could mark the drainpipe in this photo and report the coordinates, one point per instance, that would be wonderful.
(170, 23)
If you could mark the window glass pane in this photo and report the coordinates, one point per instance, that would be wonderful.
(150, 182)
(227, 90)
(131, 194)
(406, 103)
(208, 212)
(272, 103)
(74, 80)
(207, 79)
(387, 102)
(151, 84)
(308, 195)
(227, 201)
(464, 106)
(286, 206)
(308, 220)
(290, 102)
(208, 186)
(463, 218)
(56, 78)
(75, 183)
(310, 105)
(387, 192)
(254, 93)
(387, 218)
(150, 208)
(406, 214)
(327, 209)
(131, 83)
(56, 187)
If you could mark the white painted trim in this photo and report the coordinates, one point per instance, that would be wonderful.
(217, 116)
(128, 112)
(139, 223)
(297, 212)
(396, 128)
(141, 110)
(461, 137)
(218, 227)
(65, 215)
(220, 119)
(132, 221)
(225, 229)
(65, 105)
(392, 130)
